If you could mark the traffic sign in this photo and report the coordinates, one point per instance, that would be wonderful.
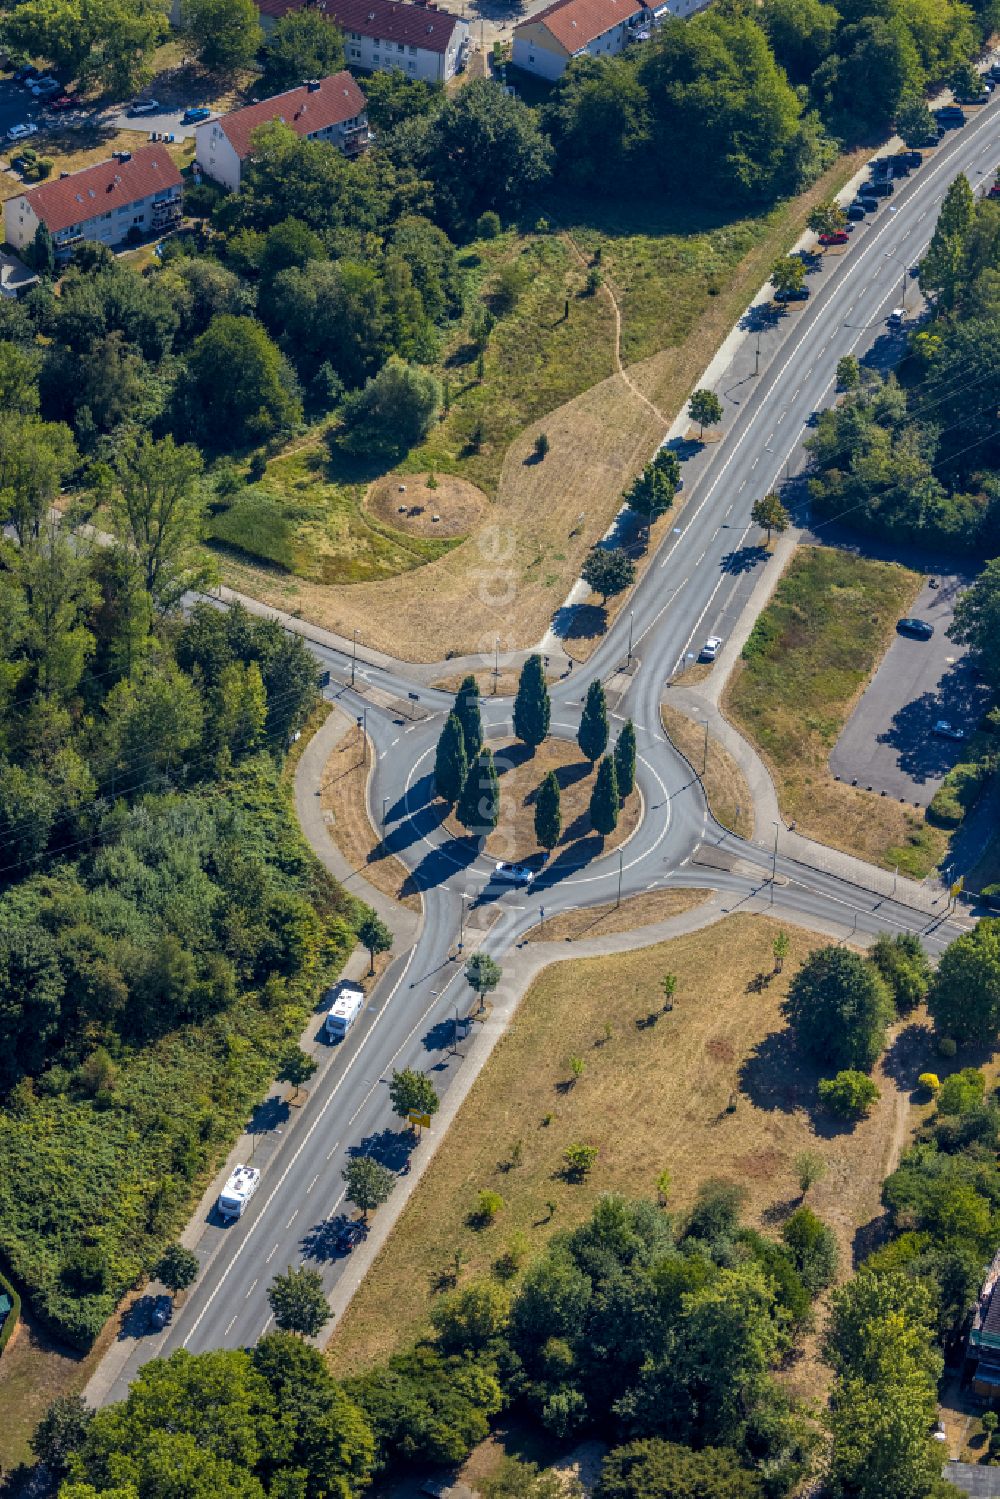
(417, 1118)
(958, 886)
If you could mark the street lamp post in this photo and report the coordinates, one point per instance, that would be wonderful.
(631, 621)
(385, 803)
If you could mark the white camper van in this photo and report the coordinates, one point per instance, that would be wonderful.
(348, 1002)
(238, 1191)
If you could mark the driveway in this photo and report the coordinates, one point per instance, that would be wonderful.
(888, 743)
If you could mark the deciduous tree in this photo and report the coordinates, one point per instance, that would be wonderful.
(482, 974)
(369, 1183)
(299, 1302)
(374, 934)
(226, 33)
(839, 1006)
(412, 1092)
(705, 408)
(302, 44)
(177, 1267)
(608, 571)
(769, 513)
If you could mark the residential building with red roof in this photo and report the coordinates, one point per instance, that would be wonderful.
(134, 194)
(547, 42)
(329, 109)
(418, 38)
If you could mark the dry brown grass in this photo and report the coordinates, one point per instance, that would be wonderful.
(506, 682)
(601, 921)
(652, 1096)
(725, 784)
(521, 773)
(458, 504)
(345, 777)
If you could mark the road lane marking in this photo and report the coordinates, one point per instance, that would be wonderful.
(229, 1329)
(252, 1284)
(269, 1258)
(292, 1218)
(313, 1182)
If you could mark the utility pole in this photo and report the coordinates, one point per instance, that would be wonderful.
(354, 657)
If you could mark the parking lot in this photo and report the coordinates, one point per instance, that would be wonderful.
(888, 743)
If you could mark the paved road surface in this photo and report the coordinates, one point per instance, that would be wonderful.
(686, 593)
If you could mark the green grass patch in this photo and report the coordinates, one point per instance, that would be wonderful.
(536, 358)
(308, 517)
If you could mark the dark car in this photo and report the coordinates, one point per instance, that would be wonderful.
(160, 1312)
(792, 294)
(856, 211)
(950, 115)
(919, 629)
(912, 159)
(879, 187)
(351, 1233)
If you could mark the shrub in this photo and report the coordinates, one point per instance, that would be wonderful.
(850, 1094)
(947, 1046)
(961, 1092)
(488, 1206)
(488, 225)
(579, 1161)
(957, 794)
(930, 1081)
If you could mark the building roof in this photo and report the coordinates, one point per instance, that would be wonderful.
(83, 195)
(575, 23)
(981, 1482)
(306, 109)
(419, 24)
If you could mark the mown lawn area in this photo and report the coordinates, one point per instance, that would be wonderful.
(809, 658)
(655, 1094)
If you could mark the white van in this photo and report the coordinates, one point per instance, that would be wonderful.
(348, 1002)
(238, 1191)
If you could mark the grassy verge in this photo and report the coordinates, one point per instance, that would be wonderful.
(601, 921)
(806, 663)
(345, 779)
(726, 790)
(654, 1094)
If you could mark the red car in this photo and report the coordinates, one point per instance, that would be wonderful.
(838, 237)
(65, 101)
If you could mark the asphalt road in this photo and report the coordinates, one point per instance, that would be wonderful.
(687, 591)
(168, 122)
(888, 744)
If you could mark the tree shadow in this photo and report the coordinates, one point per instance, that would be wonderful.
(390, 1147)
(759, 318)
(274, 1111)
(579, 621)
(870, 1236)
(777, 1078)
(744, 559)
(905, 1058)
(320, 1242)
(440, 864)
(923, 755)
(512, 757)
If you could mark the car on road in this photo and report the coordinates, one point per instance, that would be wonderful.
(145, 107)
(350, 1233)
(21, 132)
(918, 628)
(792, 294)
(65, 101)
(836, 237)
(946, 730)
(513, 874)
(711, 648)
(160, 1312)
(196, 115)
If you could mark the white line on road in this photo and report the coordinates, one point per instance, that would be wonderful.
(252, 1284)
(313, 1182)
(229, 1329)
(266, 1262)
(292, 1218)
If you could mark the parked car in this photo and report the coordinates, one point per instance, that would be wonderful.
(194, 116)
(21, 132)
(946, 730)
(879, 187)
(351, 1233)
(918, 628)
(146, 107)
(792, 294)
(44, 88)
(857, 210)
(161, 1311)
(711, 648)
(65, 101)
(896, 318)
(950, 115)
(837, 237)
(513, 874)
